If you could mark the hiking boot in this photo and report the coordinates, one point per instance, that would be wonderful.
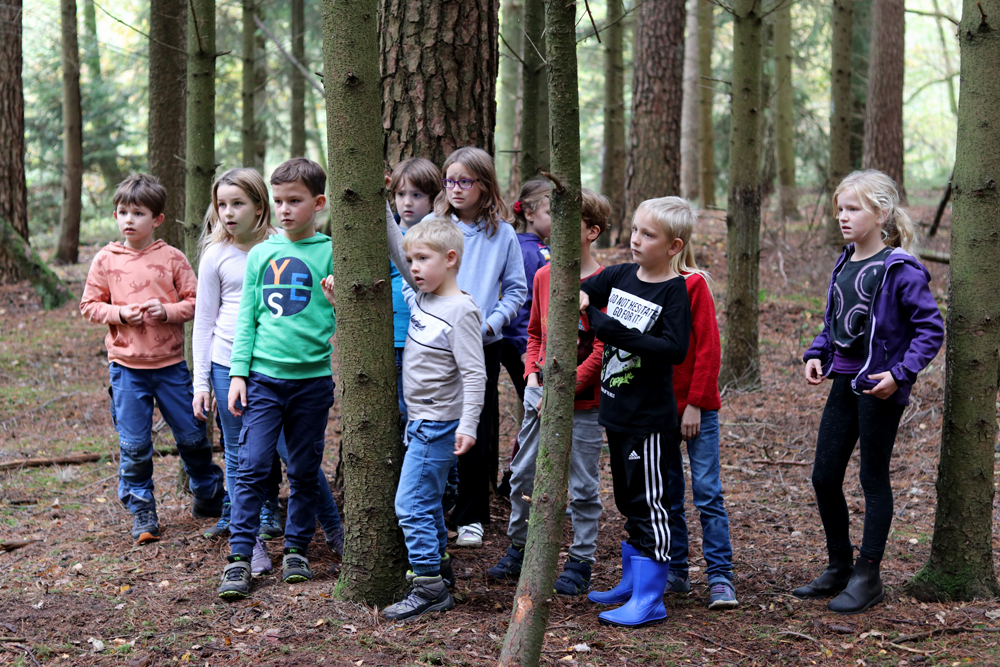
(222, 526)
(146, 526)
(426, 594)
(509, 567)
(208, 508)
(677, 584)
(260, 563)
(335, 540)
(574, 579)
(864, 590)
(833, 580)
(270, 521)
(236, 578)
(470, 536)
(722, 595)
(295, 566)
(447, 570)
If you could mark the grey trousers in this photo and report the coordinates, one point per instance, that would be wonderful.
(584, 477)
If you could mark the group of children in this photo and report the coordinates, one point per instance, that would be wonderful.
(648, 364)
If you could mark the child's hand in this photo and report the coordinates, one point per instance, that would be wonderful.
(886, 386)
(532, 380)
(132, 314)
(691, 423)
(155, 309)
(327, 285)
(584, 301)
(201, 405)
(237, 396)
(814, 371)
(463, 443)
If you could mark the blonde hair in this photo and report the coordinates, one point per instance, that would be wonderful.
(878, 195)
(438, 234)
(532, 194)
(492, 209)
(677, 218)
(251, 183)
(595, 209)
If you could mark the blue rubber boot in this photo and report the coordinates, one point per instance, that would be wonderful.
(645, 607)
(623, 591)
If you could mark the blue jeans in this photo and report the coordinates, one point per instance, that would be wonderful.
(399, 387)
(300, 409)
(703, 454)
(430, 451)
(326, 511)
(133, 391)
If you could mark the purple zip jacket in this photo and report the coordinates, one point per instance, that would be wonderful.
(904, 330)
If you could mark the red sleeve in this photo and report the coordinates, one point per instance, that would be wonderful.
(704, 391)
(534, 350)
(589, 372)
(186, 284)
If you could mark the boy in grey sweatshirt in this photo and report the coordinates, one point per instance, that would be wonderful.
(444, 375)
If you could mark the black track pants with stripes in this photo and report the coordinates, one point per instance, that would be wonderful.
(639, 470)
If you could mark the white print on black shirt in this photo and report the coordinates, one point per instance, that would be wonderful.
(634, 313)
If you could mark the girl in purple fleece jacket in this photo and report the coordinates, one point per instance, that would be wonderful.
(882, 327)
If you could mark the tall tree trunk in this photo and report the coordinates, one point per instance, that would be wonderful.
(439, 61)
(653, 163)
(100, 148)
(861, 35)
(167, 110)
(689, 111)
(72, 184)
(840, 111)
(374, 557)
(260, 95)
(613, 165)
(883, 148)
(960, 566)
(523, 642)
(13, 188)
(15, 252)
(200, 153)
(532, 81)
(248, 130)
(510, 79)
(316, 132)
(784, 120)
(949, 72)
(706, 134)
(298, 146)
(544, 160)
(740, 359)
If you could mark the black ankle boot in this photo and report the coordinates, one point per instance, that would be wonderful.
(863, 590)
(833, 580)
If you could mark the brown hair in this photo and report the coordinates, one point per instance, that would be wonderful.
(595, 210)
(423, 174)
(302, 170)
(492, 209)
(142, 190)
(532, 194)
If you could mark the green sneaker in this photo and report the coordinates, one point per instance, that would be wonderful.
(236, 578)
(426, 594)
(270, 521)
(295, 566)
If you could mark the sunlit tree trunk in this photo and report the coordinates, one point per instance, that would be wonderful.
(883, 148)
(689, 112)
(784, 120)
(72, 183)
(840, 111)
(100, 148)
(298, 145)
(613, 165)
(510, 78)
(706, 132)
(13, 187)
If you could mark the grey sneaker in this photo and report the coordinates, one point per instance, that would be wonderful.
(146, 526)
(426, 594)
(677, 584)
(236, 578)
(722, 595)
(260, 564)
(295, 566)
(335, 540)
(270, 521)
(221, 527)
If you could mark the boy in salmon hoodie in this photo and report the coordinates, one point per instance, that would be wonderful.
(144, 290)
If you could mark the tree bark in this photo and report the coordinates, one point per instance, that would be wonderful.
(654, 158)
(883, 147)
(784, 120)
(374, 556)
(439, 61)
(532, 82)
(523, 642)
(260, 96)
(740, 359)
(689, 111)
(298, 145)
(13, 187)
(101, 147)
(200, 152)
(613, 166)
(960, 566)
(248, 130)
(840, 111)
(510, 78)
(72, 182)
(167, 110)
(706, 133)
(16, 253)
(861, 34)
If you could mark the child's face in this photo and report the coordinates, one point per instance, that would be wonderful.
(463, 200)
(540, 220)
(236, 210)
(429, 267)
(296, 209)
(652, 246)
(412, 204)
(136, 224)
(856, 224)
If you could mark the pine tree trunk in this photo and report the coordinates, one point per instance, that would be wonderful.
(861, 34)
(510, 78)
(72, 183)
(961, 561)
(374, 556)
(740, 359)
(167, 110)
(689, 112)
(532, 81)
(613, 166)
(883, 147)
(15, 252)
(316, 132)
(544, 161)
(526, 632)
(260, 96)
(248, 129)
(298, 145)
(13, 188)
(784, 120)
(101, 147)
(200, 153)
(706, 133)
(840, 111)
(439, 61)
(653, 163)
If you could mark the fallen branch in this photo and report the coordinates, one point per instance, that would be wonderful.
(14, 546)
(712, 641)
(783, 462)
(76, 459)
(797, 634)
(934, 255)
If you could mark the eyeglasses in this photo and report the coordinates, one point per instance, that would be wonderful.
(464, 183)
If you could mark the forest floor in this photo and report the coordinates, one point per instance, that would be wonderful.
(83, 593)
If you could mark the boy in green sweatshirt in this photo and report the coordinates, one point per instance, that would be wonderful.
(280, 370)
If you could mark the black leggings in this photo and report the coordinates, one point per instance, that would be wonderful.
(847, 417)
(474, 467)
